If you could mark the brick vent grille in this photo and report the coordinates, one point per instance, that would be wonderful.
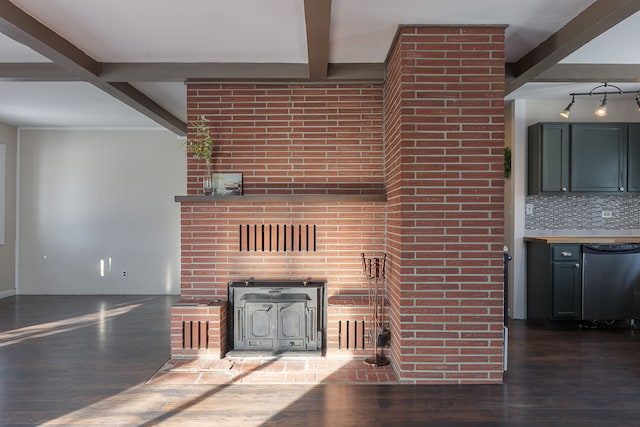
(351, 335)
(195, 334)
(277, 237)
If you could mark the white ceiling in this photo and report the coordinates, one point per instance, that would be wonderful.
(173, 31)
(616, 46)
(362, 30)
(262, 31)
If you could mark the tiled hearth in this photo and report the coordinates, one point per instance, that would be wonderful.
(273, 370)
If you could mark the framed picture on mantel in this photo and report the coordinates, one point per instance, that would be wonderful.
(227, 184)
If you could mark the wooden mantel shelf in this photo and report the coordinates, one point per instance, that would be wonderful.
(284, 198)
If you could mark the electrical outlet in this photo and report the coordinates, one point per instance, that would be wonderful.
(528, 209)
(124, 274)
(607, 214)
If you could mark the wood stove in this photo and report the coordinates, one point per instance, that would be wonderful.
(278, 316)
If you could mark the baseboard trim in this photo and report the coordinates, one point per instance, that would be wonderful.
(7, 294)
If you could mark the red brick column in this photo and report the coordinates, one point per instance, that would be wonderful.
(444, 119)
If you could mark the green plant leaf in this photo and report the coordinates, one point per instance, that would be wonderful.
(507, 162)
(202, 145)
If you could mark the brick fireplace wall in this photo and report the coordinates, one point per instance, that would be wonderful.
(211, 255)
(322, 139)
(287, 139)
(430, 139)
(293, 139)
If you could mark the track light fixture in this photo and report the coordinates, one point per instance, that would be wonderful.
(601, 111)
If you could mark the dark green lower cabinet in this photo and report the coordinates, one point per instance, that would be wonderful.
(554, 284)
(566, 290)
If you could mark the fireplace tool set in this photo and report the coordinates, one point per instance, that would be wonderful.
(374, 271)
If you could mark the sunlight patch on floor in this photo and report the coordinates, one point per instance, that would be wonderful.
(41, 330)
(144, 405)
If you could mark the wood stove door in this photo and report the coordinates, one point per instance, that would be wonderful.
(261, 325)
(292, 326)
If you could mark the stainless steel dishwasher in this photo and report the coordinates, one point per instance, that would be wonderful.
(611, 282)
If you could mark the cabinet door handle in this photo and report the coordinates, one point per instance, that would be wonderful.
(577, 266)
(566, 253)
(621, 188)
(564, 188)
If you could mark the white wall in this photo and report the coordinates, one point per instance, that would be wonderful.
(8, 138)
(515, 192)
(87, 196)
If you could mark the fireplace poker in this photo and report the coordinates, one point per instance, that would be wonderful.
(374, 271)
(384, 291)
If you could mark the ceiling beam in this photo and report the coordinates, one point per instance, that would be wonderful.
(593, 21)
(35, 72)
(317, 16)
(212, 71)
(357, 72)
(619, 73)
(182, 71)
(189, 71)
(21, 27)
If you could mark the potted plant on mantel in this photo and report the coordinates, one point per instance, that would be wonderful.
(202, 148)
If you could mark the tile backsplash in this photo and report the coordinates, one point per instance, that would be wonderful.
(583, 212)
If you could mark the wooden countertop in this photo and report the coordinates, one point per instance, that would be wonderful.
(584, 239)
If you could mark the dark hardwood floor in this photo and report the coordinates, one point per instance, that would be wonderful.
(82, 361)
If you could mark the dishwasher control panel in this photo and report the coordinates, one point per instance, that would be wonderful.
(623, 247)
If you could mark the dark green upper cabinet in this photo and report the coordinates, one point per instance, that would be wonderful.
(598, 158)
(583, 158)
(633, 158)
(548, 158)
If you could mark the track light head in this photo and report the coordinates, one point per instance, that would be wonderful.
(602, 109)
(567, 111)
